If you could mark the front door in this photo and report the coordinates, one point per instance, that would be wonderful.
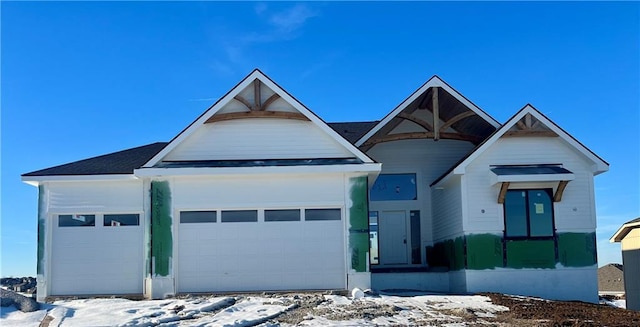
(392, 233)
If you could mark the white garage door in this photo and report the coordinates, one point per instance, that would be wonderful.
(96, 254)
(252, 250)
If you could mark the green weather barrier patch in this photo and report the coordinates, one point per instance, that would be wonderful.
(358, 224)
(42, 218)
(577, 249)
(531, 254)
(484, 251)
(161, 237)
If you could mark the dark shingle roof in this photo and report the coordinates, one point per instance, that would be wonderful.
(611, 278)
(121, 162)
(353, 131)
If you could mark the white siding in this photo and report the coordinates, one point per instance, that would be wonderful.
(429, 160)
(258, 138)
(447, 209)
(95, 197)
(574, 213)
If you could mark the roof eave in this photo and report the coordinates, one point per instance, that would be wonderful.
(37, 180)
(623, 231)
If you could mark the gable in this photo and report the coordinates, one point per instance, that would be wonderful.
(257, 120)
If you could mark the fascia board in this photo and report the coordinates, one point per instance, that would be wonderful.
(36, 180)
(155, 172)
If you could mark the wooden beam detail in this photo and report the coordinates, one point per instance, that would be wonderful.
(530, 133)
(503, 192)
(257, 114)
(456, 119)
(521, 125)
(243, 101)
(424, 124)
(269, 101)
(256, 94)
(420, 135)
(527, 121)
(436, 114)
(557, 197)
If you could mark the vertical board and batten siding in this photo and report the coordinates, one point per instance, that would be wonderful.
(94, 197)
(95, 259)
(250, 256)
(256, 139)
(575, 211)
(631, 262)
(447, 209)
(428, 159)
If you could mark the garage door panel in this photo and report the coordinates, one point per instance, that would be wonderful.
(251, 256)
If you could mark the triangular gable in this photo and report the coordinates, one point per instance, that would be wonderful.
(433, 83)
(528, 121)
(240, 102)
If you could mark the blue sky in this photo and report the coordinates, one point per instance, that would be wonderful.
(81, 79)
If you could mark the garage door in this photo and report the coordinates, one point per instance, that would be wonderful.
(96, 254)
(248, 250)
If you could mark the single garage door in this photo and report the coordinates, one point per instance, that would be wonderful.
(248, 250)
(96, 254)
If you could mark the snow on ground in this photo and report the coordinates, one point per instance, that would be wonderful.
(304, 309)
(614, 303)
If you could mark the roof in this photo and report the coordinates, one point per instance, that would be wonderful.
(121, 162)
(353, 131)
(611, 278)
(624, 230)
(125, 161)
(458, 168)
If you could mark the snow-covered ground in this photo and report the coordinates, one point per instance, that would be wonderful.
(615, 303)
(304, 309)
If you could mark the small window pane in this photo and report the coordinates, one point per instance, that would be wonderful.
(540, 213)
(373, 237)
(282, 215)
(76, 220)
(515, 213)
(239, 216)
(122, 220)
(191, 217)
(322, 214)
(416, 254)
(394, 187)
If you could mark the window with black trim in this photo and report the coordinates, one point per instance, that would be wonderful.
(529, 213)
(194, 217)
(239, 216)
(394, 187)
(322, 214)
(76, 220)
(122, 220)
(282, 215)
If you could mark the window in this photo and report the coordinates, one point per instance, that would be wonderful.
(282, 215)
(416, 254)
(76, 220)
(373, 237)
(192, 217)
(528, 213)
(122, 220)
(394, 187)
(322, 214)
(239, 216)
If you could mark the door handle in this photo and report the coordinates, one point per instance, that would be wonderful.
(404, 241)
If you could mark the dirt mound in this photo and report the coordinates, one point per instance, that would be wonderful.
(524, 311)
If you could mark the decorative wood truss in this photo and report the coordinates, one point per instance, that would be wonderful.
(257, 109)
(529, 126)
(434, 129)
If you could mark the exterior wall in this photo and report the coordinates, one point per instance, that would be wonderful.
(631, 263)
(258, 138)
(419, 281)
(428, 159)
(570, 256)
(95, 197)
(447, 209)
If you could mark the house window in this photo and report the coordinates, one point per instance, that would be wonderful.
(122, 220)
(528, 213)
(373, 238)
(76, 220)
(194, 217)
(322, 214)
(394, 187)
(416, 254)
(282, 215)
(239, 216)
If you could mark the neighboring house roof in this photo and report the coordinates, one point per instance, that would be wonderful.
(353, 131)
(121, 162)
(600, 165)
(256, 74)
(480, 125)
(611, 278)
(624, 230)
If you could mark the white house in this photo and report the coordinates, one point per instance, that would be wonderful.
(259, 193)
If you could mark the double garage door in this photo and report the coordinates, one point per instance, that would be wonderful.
(249, 250)
(96, 254)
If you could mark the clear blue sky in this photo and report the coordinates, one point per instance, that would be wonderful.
(81, 79)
